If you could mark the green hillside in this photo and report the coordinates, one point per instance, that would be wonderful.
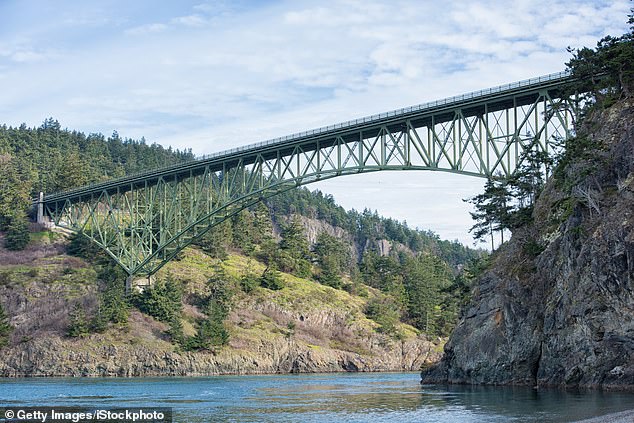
(298, 252)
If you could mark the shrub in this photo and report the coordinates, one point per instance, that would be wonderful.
(271, 279)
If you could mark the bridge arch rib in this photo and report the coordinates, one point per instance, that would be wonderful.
(143, 221)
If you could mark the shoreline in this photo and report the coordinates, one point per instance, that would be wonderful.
(185, 376)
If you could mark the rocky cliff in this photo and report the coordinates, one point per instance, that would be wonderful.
(142, 352)
(556, 307)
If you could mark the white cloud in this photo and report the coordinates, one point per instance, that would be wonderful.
(147, 29)
(190, 20)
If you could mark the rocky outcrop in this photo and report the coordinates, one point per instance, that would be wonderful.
(132, 354)
(314, 227)
(556, 308)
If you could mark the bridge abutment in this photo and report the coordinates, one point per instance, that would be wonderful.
(137, 283)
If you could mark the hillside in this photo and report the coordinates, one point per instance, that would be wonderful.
(303, 327)
(293, 284)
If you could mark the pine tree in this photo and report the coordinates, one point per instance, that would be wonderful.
(526, 183)
(15, 186)
(163, 300)
(114, 305)
(99, 322)
(78, 326)
(607, 71)
(217, 239)
(220, 287)
(211, 331)
(333, 257)
(71, 171)
(271, 279)
(293, 251)
(492, 210)
(384, 311)
(249, 280)
(18, 235)
(175, 330)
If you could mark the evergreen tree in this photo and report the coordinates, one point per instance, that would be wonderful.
(18, 236)
(492, 210)
(163, 300)
(526, 183)
(271, 279)
(293, 251)
(217, 239)
(243, 231)
(15, 186)
(249, 280)
(607, 71)
(114, 304)
(381, 272)
(384, 311)
(175, 330)
(99, 322)
(210, 333)
(78, 326)
(71, 171)
(220, 288)
(507, 203)
(427, 280)
(333, 258)
(81, 246)
(262, 223)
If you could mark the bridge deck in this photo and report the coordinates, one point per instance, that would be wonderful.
(496, 98)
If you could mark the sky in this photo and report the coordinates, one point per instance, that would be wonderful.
(213, 75)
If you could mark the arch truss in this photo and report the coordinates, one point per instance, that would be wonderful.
(143, 221)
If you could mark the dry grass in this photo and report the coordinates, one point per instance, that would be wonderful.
(34, 252)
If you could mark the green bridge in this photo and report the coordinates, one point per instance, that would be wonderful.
(144, 220)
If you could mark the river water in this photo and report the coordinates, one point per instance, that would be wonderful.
(369, 397)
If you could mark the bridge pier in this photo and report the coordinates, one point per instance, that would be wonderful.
(45, 221)
(40, 209)
(137, 283)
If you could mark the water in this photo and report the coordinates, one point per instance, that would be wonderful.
(375, 397)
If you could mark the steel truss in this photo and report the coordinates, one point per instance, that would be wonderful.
(144, 221)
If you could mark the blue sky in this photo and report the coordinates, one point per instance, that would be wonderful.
(219, 74)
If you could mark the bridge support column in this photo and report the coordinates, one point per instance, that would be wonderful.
(40, 209)
(41, 219)
(136, 283)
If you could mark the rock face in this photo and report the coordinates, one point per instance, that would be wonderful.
(562, 312)
(139, 353)
(313, 227)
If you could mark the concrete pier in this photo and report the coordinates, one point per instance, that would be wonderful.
(138, 283)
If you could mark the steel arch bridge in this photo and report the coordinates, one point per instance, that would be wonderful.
(144, 220)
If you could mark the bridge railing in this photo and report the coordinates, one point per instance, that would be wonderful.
(342, 125)
(392, 113)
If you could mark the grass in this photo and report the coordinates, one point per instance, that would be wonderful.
(300, 296)
(45, 237)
